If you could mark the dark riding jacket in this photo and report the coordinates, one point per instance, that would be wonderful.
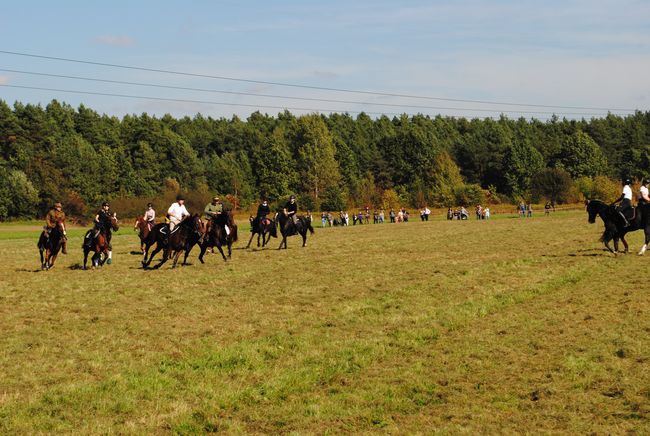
(263, 211)
(292, 208)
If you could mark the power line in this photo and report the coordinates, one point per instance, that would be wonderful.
(38, 88)
(294, 85)
(325, 100)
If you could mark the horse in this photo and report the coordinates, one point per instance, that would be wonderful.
(217, 236)
(51, 246)
(184, 237)
(615, 225)
(289, 228)
(98, 244)
(143, 227)
(262, 227)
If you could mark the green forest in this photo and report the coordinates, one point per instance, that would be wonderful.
(330, 162)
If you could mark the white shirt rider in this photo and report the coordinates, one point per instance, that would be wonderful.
(176, 213)
(644, 193)
(627, 192)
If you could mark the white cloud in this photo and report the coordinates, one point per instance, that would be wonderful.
(115, 40)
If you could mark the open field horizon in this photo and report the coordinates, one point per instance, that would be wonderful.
(500, 326)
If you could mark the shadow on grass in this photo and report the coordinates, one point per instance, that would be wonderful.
(135, 253)
(28, 270)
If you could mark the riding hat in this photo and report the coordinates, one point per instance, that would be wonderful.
(646, 181)
(149, 205)
(180, 197)
(215, 199)
(293, 197)
(57, 204)
(628, 181)
(105, 204)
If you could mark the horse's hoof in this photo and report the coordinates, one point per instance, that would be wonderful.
(109, 261)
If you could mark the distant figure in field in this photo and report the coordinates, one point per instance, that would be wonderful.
(381, 216)
(391, 214)
(422, 215)
(323, 219)
(427, 212)
(464, 215)
(529, 210)
(479, 211)
(486, 213)
(400, 216)
(522, 210)
(547, 209)
(450, 214)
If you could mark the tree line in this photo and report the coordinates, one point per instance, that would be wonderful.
(81, 157)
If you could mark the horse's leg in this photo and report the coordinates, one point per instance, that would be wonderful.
(47, 258)
(251, 240)
(155, 251)
(85, 257)
(203, 248)
(283, 242)
(647, 241)
(258, 239)
(53, 258)
(166, 254)
(304, 239)
(230, 249)
(176, 256)
(627, 248)
(221, 251)
(40, 251)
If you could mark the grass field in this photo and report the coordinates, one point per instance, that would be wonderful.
(492, 327)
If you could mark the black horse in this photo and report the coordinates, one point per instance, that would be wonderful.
(49, 247)
(289, 228)
(184, 237)
(217, 236)
(615, 228)
(264, 228)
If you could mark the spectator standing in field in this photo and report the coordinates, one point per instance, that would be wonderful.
(522, 210)
(487, 213)
(450, 214)
(422, 215)
(391, 214)
(406, 215)
(530, 210)
(330, 219)
(427, 212)
(464, 215)
(381, 216)
(547, 209)
(478, 211)
(323, 219)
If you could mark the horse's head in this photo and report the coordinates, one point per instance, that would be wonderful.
(250, 219)
(139, 224)
(593, 208)
(114, 223)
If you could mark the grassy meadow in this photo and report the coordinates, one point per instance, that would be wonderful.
(509, 325)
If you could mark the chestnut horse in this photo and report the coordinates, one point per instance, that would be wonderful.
(143, 228)
(99, 244)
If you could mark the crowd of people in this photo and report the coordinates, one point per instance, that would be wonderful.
(363, 217)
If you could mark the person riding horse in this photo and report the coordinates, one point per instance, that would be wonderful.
(291, 208)
(644, 197)
(103, 224)
(53, 218)
(150, 216)
(263, 210)
(625, 201)
(176, 213)
(211, 212)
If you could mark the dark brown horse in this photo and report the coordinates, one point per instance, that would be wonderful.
(98, 244)
(264, 228)
(289, 228)
(218, 237)
(49, 247)
(143, 227)
(185, 236)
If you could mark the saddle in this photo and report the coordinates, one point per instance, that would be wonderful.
(165, 229)
(265, 221)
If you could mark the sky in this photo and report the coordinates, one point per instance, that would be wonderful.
(588, 54)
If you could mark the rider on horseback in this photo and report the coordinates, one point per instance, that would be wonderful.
(644, 198)
(103, 224)
(262, 211)
(211, 212)
(150, 216)
(292, 209)
(54, 217)
(176, 213)
(626, 202)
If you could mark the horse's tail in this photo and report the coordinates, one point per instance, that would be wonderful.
(311, 229)
(233, 233)
(607, 235)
